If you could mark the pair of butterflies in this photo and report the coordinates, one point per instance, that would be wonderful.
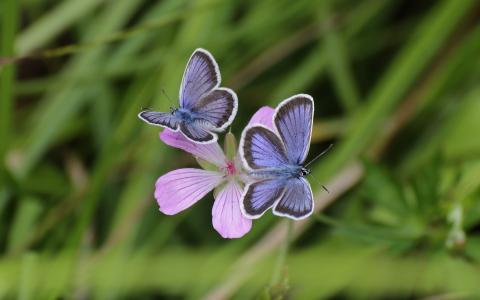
(273, 159)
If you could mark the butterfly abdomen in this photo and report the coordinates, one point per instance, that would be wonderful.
(275, 173)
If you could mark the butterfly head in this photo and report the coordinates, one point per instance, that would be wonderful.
(173, 110)
(304, 171)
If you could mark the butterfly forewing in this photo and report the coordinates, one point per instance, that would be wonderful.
(293, 121)
(160, 119)
(217, 107)
(261, 148)
(200, 77)
(296, 201)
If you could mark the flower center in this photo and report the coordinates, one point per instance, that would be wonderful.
(230, 168)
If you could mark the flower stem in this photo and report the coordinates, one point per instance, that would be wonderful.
(282, 256)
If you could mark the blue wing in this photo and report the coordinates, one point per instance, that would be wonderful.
(200, 77)
(261, 148)
(160, 119)
(218, 108)
(293, 120)
(297, 200)
(197, 133)
(260, 196)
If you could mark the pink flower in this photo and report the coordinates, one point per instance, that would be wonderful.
(179, 189)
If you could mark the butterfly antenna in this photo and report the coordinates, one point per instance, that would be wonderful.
(319, 155)
(165, 94)
(318, 181)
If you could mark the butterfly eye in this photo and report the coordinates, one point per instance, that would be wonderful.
(172, 110)
(305, 171)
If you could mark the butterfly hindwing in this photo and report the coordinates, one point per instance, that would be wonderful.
(197, 133)
(217, 107)
(293, 121)
(260, 196)
(160, 119)
(296, 201)
(200, 77)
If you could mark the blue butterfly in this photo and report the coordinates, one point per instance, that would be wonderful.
(274, 160)
(205, 108)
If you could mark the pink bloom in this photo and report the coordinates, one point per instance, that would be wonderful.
(263, 116)
(179, 189)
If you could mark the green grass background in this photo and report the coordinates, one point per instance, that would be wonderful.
(396, 89)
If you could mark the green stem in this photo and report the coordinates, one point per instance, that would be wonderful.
(282, 255)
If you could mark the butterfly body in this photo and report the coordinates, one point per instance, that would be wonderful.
(274, 160)
(184, 115)
(205, 108)
(286, 172)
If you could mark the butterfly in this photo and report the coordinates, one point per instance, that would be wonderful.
(274, 162)
(205, 108)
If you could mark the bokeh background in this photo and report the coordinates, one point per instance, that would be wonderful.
(396, 88)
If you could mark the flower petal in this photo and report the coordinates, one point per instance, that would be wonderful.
(227, 217)
(180, 189)
(209, 152)
(263, 116)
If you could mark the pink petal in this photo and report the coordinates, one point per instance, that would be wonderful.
(263, 116)
(180, 189)
(227, 217)
(209, 152)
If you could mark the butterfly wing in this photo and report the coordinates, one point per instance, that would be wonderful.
(217, 107)
(296, 201)
(293, 120)
(160, 119)
(200, 77)
(261, 148)
(260, 196)
(197, 133)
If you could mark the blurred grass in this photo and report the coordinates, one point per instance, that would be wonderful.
(9, 23)
(395, 85)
